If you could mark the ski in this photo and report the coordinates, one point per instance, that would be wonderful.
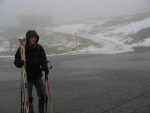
(24, 102)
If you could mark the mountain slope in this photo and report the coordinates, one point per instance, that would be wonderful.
(103, 36)
(122, 34)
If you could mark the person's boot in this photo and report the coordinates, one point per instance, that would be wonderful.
(41, 104)
(31, 108)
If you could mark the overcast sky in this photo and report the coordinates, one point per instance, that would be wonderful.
(68, 10)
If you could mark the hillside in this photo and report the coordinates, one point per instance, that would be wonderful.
(94, 36)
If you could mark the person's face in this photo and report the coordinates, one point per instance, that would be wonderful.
(32, 40)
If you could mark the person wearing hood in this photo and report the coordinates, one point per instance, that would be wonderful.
(36, 62)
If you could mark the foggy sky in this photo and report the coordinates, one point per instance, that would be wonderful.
(68, 10)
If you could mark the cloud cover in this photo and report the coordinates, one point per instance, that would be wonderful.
(68, 10)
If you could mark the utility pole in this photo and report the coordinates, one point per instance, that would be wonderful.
(75, 35)
(86, 46)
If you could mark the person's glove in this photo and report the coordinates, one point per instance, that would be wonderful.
(49, 65)
(46, 74)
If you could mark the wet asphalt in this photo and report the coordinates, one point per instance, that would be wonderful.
(117, 83)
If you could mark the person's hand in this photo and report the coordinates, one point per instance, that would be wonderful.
(21, 63)
(50, 67)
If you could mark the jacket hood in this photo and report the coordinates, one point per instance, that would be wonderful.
(32, 33)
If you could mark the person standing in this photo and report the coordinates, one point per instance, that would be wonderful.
(36, 62)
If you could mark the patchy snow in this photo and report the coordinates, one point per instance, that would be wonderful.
(132, 28)
(145, 43)
(4, 45)
(112, 38)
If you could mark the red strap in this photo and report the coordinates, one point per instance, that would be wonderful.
(48, 91)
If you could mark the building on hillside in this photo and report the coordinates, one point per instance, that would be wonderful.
(34, 21)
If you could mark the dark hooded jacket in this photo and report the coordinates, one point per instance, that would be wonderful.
(36, 60)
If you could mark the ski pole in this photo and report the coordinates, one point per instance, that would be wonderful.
(21, 99)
